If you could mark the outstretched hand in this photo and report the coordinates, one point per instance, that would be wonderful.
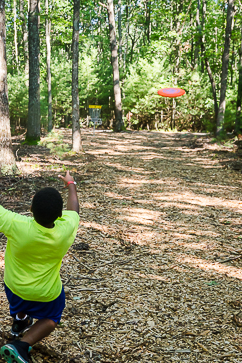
(66, 178)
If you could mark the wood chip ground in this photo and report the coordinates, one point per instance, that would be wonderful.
(155, 272)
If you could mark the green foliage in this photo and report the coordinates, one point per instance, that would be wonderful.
(159, 40)
(194, 111)
(54, 142)
(18, 96)
(141, 87)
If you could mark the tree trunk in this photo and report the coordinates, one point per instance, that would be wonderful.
(99, 45)
(118, 125)
(213, 87)
(147, 20)
(204, 6)
(7, 160)
(232, 65)
(76, 134)
(209, 71)
(127, 36)
(119, 30)
(198, 35)
(48, 57)
(24, 36)
(225, 64)
(33, 125)
(15, 34)
(238, 121)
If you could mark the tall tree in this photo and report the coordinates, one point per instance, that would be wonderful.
(7, 160)
(198, 35)
(238, 121)
(225, 64)
(120, 30)
(206, 60)
(76, 133)
(48, 57)
(118, 125)
(33, 125)
(15, 34)
(24, 35)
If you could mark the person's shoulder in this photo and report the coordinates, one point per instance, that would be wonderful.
(12, 215)
(68, 215)
(8, 219)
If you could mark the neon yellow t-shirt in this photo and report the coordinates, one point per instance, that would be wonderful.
(34, 254)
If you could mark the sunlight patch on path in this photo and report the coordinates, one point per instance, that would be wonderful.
(195, 262)
(202, 200)
(139, 215)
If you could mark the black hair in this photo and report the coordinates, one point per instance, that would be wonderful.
(47, 205)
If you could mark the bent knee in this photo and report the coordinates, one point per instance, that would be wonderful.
(52, 324)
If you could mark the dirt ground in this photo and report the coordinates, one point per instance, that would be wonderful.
(155, 272)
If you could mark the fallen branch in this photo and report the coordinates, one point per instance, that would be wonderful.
(85, 278)
(75, 258)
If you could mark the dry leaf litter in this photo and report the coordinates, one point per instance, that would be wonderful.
(155, 272)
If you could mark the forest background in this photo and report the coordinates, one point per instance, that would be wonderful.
(160, 44)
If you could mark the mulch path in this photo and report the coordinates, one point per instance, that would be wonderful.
(155, 272)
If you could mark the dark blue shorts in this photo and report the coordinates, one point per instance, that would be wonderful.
(36, 309)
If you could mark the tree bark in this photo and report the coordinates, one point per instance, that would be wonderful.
(238, 121)
(225, 64)
(118, 125)
(119, 30)
(76, 134)
(24, 36)
(147, 20)
(209, 71)
(204, 6)
(127, 36)
(48, 57)
(213, 87)
(198, 35)
(15, 34)
(7, 160)
(33, 125)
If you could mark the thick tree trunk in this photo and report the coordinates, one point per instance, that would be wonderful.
(76, 134)
(225, 64)
(7, 160)
(118, 125)
(24, 36)
(33, 126)
(238, 121)
(48, 57)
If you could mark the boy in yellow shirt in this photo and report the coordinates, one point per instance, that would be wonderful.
(33, 257)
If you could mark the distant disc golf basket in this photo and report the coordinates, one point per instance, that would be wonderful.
(95, 116)
(171, 92)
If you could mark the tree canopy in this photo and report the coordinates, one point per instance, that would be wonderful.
(160, 44)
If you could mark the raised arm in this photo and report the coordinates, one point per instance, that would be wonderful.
(72, 202)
